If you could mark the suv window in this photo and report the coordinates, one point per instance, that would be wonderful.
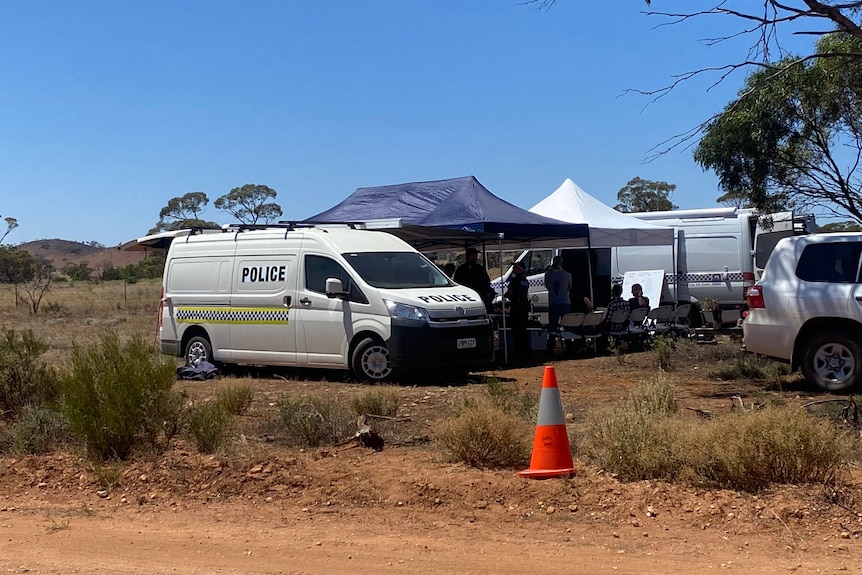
(318, 269)
(830, 262)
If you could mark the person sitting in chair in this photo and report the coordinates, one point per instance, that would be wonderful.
(638, 298)
(617, 303)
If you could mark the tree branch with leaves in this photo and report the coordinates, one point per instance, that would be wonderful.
(250, 204)
(794, 141)
(184, 212)
(640, 195)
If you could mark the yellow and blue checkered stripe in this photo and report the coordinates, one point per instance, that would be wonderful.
(232, 315)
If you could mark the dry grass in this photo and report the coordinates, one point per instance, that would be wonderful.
(82, 311)
(485, 436)
(644, 437)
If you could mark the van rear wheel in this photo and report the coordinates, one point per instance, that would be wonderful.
(833, 360)
(370, 361)
(198, 349)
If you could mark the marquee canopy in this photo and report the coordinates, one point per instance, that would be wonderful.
(608, 227)
(454, 213)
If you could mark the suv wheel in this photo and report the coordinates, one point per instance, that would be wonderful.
(833, 360)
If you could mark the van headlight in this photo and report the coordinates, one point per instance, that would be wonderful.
(404, 311)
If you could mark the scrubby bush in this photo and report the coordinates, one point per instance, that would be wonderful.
(235, 399)
(314, 420)
(512, 400)
(376, 402)
(644, 437)
(662, 348)
(486, 437)
(24, 381)
(118, 394)
(740, 368)
(619, 438)
(211, 426)
(491, 431)
(37, 430)
(773, 445)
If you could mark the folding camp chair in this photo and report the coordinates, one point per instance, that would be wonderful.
(679, 323)
(594, 328)
(658, 318)
(618, 324)
(568, 333)
(637, 329)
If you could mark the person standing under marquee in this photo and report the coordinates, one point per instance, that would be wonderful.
(518, 295)
(558, 282)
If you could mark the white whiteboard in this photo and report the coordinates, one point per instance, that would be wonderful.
(652, 281)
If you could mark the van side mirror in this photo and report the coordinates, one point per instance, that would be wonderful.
(334, 288)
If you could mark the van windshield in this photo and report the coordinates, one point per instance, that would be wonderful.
(397, 270)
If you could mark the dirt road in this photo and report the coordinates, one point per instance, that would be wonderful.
(348, 510)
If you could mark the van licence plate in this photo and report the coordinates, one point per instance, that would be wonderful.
(467, 343)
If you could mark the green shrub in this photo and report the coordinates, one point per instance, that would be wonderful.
(315, 420)
(211, 426)
(376, 402)
(236, 399)
(486, 437)
(37, 431)
(118, 394)
(663, 350)
(24, 381)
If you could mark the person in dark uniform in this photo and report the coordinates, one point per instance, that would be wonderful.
(517, 293)
(473, 275)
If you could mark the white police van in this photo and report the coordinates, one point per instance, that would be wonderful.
(324, 296)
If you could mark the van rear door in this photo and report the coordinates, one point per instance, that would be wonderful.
(769, 230)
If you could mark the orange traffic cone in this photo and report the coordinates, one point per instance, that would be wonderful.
(551, 454)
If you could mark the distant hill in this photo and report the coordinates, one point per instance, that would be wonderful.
(63, 252)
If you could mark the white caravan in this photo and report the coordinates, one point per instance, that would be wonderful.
(717, 253)
(315, 296)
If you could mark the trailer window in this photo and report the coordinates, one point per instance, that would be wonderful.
(397, 270)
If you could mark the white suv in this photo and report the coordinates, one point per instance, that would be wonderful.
(807, 308)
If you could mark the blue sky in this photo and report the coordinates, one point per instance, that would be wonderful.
(110, 109)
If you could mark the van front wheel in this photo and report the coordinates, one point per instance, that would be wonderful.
(370, 361)
(198, 349)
